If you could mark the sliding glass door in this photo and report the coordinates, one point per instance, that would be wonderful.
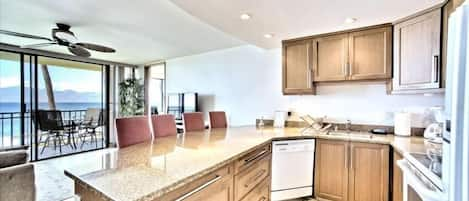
(11, 90)
(52, 106)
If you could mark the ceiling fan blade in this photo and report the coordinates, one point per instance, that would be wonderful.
(95, 47)
(38, 45)
(79, 51)
(11, 33)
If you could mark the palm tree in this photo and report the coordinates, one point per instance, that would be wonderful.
(49, 87)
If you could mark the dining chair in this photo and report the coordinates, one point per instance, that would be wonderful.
(50, 122)
(163, 125)
(92, 122)
(193, 121)
(217, 119)
(132, 130)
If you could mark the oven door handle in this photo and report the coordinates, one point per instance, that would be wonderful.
(419, 187)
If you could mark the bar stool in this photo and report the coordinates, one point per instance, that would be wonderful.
(193, 121)
(132, 130)
(217, 119)
(163, 125)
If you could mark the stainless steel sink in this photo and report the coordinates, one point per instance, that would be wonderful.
(355, 134)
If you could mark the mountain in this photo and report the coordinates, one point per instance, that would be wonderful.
(12, 94)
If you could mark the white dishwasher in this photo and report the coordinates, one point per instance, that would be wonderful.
(292, 169)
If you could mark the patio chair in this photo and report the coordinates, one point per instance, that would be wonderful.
(50, 122)
(16, 176)
(93, 121)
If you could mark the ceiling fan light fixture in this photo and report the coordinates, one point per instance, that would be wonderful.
(66, 35)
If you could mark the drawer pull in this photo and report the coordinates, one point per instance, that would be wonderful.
(254, 179)
(201, 187)
(255, 157)
(263, 198)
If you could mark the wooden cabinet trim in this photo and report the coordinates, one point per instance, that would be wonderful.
(397, 177)
(336, 33)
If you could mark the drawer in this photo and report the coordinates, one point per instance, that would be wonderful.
(215, 186)
(260, 193)
(251, 158)
(248, 179)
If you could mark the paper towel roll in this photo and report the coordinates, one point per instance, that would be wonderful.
(402, 123)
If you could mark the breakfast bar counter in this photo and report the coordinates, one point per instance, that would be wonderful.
(151, 170)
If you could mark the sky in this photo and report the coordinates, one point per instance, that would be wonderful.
(62, 78)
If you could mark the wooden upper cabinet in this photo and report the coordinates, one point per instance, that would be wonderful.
(370, 54)
(329, 58)
(369, 172)
(331, 170)
(296, 68)
(417, 60)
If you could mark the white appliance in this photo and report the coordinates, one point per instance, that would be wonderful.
(292, 169)
(455, 165)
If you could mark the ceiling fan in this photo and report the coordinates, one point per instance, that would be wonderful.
(64, 37)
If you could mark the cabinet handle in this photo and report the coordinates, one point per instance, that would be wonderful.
(308, 73)
(201, 187)
(435, 70)
(346, 157)
(263, 198)
(255, 157)
(258, 175)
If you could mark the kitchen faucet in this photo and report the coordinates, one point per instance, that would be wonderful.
(348, 126)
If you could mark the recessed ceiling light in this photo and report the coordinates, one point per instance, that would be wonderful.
(245, 16)
(268, 35)
(349, 20)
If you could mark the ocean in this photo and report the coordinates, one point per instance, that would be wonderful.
(10, 117)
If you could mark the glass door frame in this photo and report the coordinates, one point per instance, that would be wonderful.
(34, 102)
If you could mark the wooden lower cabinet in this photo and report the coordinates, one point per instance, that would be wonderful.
(260, 193)
(397, 188)
(216, 186)
(369, 172)
(331, 171)
(351, 171)
(246, 179)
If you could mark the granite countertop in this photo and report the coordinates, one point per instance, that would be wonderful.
(149, 170)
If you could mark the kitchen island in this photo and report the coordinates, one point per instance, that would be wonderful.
(152, 171)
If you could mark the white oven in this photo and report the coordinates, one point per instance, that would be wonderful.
(417, 186)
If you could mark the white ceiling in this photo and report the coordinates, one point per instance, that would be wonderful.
(144, 31)
(140, 31)
(294, 18)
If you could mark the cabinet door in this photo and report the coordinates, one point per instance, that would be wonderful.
(296, 68)
(397, 187)
(370, 54)
(331, 170)
(330, 58)
(369, 172)
(417, 53)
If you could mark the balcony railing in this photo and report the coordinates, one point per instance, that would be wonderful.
(10, 127)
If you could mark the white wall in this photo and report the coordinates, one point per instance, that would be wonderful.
(246, 82)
